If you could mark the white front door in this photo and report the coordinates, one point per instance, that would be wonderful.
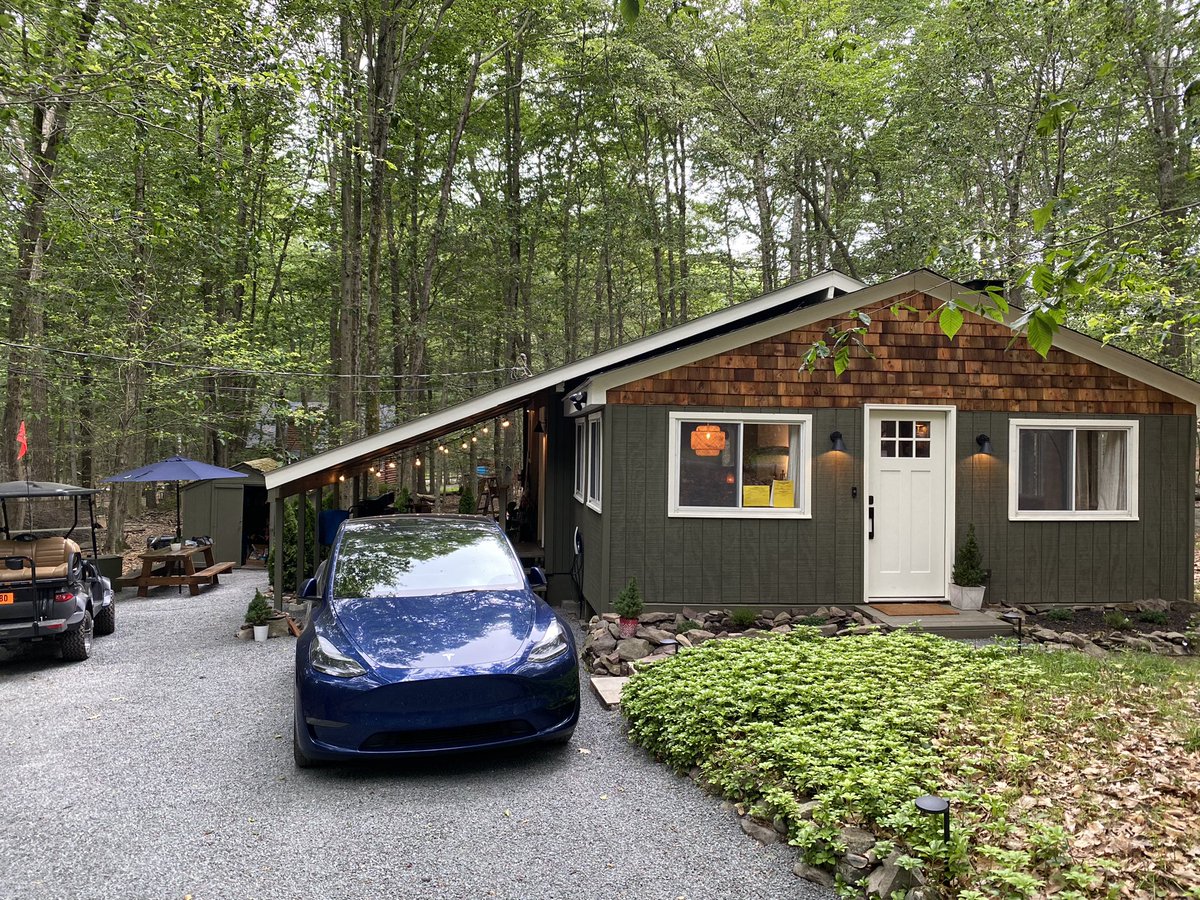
(906, 502)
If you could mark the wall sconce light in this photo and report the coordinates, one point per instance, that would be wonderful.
(838, 444)
(341, 478)
(538, 429)
(933, 805)
(1017, 620)
(985, 444)
(579, 400)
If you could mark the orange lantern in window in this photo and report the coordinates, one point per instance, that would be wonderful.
(708, 440)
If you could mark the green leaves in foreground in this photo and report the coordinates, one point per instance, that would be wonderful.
(848, 722)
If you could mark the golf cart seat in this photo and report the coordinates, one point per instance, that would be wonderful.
(54, 557)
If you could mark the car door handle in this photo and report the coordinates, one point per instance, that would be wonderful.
(871, 518)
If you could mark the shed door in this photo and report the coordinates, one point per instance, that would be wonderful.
(906, 503)
(227, 522)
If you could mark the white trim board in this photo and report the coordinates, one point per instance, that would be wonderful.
(349, 455)
(922, 281)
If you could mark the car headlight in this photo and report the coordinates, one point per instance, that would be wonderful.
(329, 659)
(553, 644)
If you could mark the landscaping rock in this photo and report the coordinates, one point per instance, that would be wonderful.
(698, 636)
(611, 617)
(655, 635)
(782, 629)
(1093, 651)
(890, 877)
(689, 613)
(682, 640)
(1138, 643)
(813, 874)
(599, 642)
(853, 868)
(779, 823)
(1044, 634)
(633, 648)
(614, 629)
(781, 619)
(655, 618)
(836, 612)
(829, 630)
(856, 840)
(864, 629)
(764, 834)
(807, 809)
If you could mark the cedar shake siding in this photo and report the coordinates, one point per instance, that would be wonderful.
(913, 362)
(766, 562)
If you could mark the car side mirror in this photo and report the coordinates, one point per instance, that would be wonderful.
(537, 578)
(309, 591)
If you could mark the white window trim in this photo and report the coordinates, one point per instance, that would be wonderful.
(580, 468)
(802, 477)
(1129, 426)
(596, 447)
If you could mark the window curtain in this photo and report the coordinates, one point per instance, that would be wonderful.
(1100, 470)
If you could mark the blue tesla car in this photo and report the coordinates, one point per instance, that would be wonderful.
(427, 637)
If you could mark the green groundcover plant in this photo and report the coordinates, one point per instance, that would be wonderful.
(863, 726)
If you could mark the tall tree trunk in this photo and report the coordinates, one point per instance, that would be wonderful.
(766, 221)
(47, 132)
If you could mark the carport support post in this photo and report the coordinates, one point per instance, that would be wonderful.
(277, 538)
(301, 540)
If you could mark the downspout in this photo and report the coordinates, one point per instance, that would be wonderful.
(276, 527)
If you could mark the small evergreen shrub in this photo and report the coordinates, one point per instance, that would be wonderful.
(688, 625)
(813, 621)
(968, 562)
(628, 604)
(743, 618)
(259, 610)
(466, 502)
(1061, 614)
(1114, 618)
(1154, 617)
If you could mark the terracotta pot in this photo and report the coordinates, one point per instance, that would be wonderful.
(628, 627)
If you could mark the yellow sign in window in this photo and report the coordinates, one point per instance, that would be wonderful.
(756, 495)
(783, 494)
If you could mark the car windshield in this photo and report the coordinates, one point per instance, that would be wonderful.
(415, 558)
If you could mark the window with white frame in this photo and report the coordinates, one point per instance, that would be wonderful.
(743, 465)
(580, 460)
(595, 450)
(1073, 469)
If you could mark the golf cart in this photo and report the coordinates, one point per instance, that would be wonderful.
(49, 591)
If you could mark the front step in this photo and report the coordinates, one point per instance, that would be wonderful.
(967, 625)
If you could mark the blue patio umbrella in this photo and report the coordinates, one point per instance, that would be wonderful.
(177, 469)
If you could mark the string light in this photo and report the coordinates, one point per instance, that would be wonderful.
(417, 462)
(392, 464)
(466, 446)
(504, 424)
(341, 478)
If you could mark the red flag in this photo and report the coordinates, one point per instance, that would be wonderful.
(21, 441)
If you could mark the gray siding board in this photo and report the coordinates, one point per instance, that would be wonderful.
(705, 563)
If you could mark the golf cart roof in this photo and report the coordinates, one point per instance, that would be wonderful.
(12, 490)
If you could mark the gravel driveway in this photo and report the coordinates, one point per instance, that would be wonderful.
(162, 768)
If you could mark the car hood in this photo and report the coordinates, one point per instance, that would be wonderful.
(445, 630)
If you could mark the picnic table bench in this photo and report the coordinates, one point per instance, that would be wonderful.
(173, 568)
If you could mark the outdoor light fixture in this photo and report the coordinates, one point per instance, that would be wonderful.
(392, 464)
(579, 400)
(838, 444)
(341, 478)
(985, 444)
(932, 805)
(417, 462)
(485, 429)
(538, 429)
(474, 440)
(1013, 617)
(504, 423)
(466, 446)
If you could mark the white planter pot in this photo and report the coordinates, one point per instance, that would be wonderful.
(966, 598)
(260, 633)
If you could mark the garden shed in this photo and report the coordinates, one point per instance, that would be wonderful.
(711, 464)
(232, 511)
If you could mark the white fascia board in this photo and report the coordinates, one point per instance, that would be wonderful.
(922, 281)
(1106, 355)
(606, 381)
(511, 395)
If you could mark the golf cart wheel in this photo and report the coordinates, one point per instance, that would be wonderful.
(77, 645)
(106, 619)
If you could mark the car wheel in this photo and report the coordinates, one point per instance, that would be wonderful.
(77, 645)
(106, 619)
(302, 761)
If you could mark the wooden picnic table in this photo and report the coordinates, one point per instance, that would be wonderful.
(177, 568)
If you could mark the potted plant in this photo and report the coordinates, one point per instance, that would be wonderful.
(258, 614)
(628, 606)
(966, 588)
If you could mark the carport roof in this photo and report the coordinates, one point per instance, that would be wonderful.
(324, 468)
